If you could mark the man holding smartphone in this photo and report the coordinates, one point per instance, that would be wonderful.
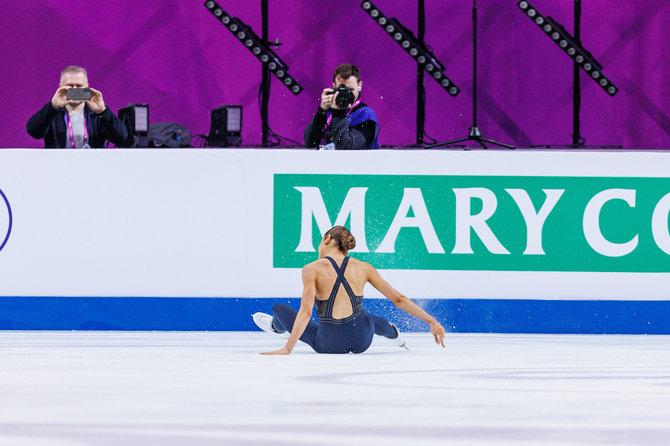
(76, 117)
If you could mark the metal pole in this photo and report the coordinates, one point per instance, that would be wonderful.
(265, 83)
(576, 90)
(420, 88)
(474, 63)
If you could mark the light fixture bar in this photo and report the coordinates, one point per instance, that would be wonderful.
(407, 41)
(255, 44)
(556, 32)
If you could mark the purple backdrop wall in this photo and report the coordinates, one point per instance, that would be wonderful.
(175, 56)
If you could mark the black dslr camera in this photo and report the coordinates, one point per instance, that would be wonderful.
(345, 97)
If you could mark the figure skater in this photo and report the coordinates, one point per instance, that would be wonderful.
(336, 281)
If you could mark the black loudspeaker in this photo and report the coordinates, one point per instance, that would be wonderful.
(136, 119)
(226, 127)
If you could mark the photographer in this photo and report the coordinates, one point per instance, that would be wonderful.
(342, 121)
(76, 118)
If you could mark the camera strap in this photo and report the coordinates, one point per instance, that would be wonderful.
(71, 132)
(330, 116)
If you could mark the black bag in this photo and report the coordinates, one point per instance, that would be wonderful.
(169, 135)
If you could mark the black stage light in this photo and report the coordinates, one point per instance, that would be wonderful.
(412, 46)
(136, 119)
(255, 44)
(226, 126)
(570, 46)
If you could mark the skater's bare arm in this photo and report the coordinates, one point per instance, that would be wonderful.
(305, 312)
(399, 300)
(404, 303)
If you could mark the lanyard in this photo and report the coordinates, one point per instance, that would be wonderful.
(69, 126)
(330, 116)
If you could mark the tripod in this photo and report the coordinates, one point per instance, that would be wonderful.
(475, 134)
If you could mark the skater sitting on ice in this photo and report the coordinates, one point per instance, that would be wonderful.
(336, 281)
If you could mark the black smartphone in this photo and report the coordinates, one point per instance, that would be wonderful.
(79, 94)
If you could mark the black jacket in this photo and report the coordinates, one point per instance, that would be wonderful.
(49, 123)
(356, 137)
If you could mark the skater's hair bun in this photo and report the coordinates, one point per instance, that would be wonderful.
(345, 241)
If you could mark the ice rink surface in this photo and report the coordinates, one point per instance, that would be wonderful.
(195, 388)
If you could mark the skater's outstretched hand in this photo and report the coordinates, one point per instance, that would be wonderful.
(404, 303)
(438, 333)
(281, 351)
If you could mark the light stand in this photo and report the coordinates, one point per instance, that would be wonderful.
(265, 82)
(420, 88)
(582, 60)
(259, 47)
(577, 140)
(474, 133)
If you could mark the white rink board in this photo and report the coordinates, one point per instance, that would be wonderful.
(198, 223)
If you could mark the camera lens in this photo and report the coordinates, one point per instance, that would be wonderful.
(344, 97)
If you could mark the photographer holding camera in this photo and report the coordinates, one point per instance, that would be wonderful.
(76, 117)
(342, 121)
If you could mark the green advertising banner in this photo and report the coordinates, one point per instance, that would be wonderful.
(478, 223)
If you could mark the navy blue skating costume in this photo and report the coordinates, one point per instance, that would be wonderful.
(352, 334)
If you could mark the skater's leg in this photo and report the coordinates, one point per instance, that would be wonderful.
(383, 327)
(283, 319)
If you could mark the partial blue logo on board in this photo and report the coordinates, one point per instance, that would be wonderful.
(5, 219)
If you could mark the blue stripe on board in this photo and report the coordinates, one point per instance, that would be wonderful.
(223, 314)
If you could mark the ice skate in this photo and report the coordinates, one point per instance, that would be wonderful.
(398, 340)
(264, 322)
